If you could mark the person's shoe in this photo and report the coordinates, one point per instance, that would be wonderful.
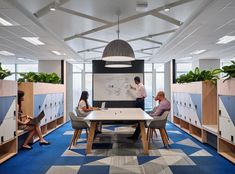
(27, 147)
(44, 143)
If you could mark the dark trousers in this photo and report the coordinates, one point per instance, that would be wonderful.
(139, 104)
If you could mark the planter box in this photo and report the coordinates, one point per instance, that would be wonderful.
(8, 121)
(226, 112)
(196, 103)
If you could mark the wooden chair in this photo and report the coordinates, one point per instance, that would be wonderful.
(77, 124)
(159, 123)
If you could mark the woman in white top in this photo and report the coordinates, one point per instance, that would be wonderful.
(84, 108)
(83, 105)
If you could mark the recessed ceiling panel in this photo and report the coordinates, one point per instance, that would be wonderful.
(79, 44)
(65, 25)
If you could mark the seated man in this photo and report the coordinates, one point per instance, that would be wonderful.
(164, 105)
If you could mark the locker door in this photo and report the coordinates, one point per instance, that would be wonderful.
(224, 127)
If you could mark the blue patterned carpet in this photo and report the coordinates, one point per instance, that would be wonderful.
(113, 153)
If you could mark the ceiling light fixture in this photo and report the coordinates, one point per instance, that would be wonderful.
(4, 22)
(6, 53)
(142, 6)
(26, 60)
(33, 40)
(53, 7)
(57, 53)
(226, 39)
(166, 9)
(197, 52)
(116, 64)
(118, 50)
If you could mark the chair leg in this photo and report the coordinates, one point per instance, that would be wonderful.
(86, 133)
(72, 140)
(78, 136)
(164, 137)
(75, 139)
(166, 134)
(148, 136)
(151, 133)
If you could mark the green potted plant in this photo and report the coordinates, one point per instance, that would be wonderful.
(4, 73)
(229, 71)
(39, 77)
(197, 75)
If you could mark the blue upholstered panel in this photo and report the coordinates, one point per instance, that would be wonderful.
(38, 101)
(229, 104)
(197, 103)
(5, 104)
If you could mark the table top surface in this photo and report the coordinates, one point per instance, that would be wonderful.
(118, 114)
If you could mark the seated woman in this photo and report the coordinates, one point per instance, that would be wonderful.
(84, 108)
(23, 121)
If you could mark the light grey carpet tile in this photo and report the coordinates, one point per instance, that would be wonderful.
(63, 169)
(133, 169)
(153, 168)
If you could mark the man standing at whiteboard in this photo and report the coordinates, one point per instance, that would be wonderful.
(140, 93)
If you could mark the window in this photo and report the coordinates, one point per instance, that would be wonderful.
(77, 88)
(148, 67)
(11, 68)
(149, 90)
(27, 68)
(88, 67)
(88, 86)
(183, 68)
(24, 68)
(78, 67)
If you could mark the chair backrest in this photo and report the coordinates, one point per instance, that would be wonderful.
(159, 122)
(79, 113)
(76, 122)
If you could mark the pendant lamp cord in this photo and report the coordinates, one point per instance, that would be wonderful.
(118, 31)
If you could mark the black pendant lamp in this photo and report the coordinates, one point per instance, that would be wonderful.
(118, 50)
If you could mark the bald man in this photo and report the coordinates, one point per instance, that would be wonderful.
(164, 105)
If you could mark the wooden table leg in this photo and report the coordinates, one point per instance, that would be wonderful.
(91, 137)
(144, 137)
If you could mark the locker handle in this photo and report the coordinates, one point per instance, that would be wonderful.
(184, 104)
(232, 138)
(39, 107)
(195, 106)
(45, 105)
(2, 138)
(190, 105)
(219, 112)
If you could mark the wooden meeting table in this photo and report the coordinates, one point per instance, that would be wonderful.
(118, 114)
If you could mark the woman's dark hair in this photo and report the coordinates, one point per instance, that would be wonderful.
(20, 96)
(84, 96)
(137, 79)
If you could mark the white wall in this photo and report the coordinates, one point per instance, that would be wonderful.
(69, 88)
(206, 64)
(50, 66)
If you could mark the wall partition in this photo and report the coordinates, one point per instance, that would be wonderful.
(112, 85)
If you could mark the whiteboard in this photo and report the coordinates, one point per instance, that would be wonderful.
(114, 87)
